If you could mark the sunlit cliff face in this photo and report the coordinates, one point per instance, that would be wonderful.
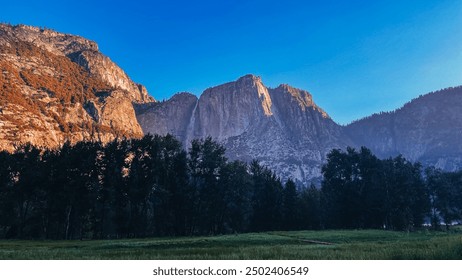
(49, 97)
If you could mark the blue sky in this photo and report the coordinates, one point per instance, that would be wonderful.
(355, 57)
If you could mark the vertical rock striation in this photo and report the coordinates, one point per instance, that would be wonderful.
(281, 127)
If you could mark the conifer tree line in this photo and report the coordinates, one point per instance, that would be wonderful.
(152, 187)
(361, 191)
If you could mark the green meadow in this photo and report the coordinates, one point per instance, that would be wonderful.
(317, 245)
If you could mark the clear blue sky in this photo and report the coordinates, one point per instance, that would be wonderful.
(355, 57)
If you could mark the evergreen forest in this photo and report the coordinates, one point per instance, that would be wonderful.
(152, 186)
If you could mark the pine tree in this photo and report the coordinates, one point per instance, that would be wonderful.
(291, 215)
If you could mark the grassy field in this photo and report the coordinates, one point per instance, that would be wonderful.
(321, 245)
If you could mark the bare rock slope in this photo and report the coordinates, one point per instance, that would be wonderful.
(282, 127)
(57, 87)
(288, 132)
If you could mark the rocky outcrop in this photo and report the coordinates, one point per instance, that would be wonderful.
(80, 50)
(102, 67)
(54, 42)
(229, 110)
(283, 128)
(57, 87)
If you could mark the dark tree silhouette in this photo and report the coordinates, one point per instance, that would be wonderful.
(361, 191)
(153, 187)
(290, 207)
(266, 199)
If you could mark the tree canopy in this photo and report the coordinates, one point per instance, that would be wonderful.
(153, 187)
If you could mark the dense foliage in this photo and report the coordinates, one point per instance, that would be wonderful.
(361, 191)
(139, 188)
(153, 187)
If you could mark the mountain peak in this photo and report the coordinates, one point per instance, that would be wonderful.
(183, 94)
(302, 97)
(248, 81)
(253, 82)
(250, 77)
(281, 127)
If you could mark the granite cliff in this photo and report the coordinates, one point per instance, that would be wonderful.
(282, 127)
(57, 87)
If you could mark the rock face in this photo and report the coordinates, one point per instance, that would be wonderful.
(428, 129)
(102, 67)
(281, 127)
(288, 132)
(57, 87)
(172, 116)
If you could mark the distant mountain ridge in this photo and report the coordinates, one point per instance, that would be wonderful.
(427, 129)
(57, 87)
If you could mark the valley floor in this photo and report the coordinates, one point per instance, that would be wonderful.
(318, 245)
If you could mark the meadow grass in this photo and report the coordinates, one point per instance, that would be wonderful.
(343, 244)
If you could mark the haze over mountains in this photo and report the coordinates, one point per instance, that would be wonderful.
(57, 87)
(427, 129)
